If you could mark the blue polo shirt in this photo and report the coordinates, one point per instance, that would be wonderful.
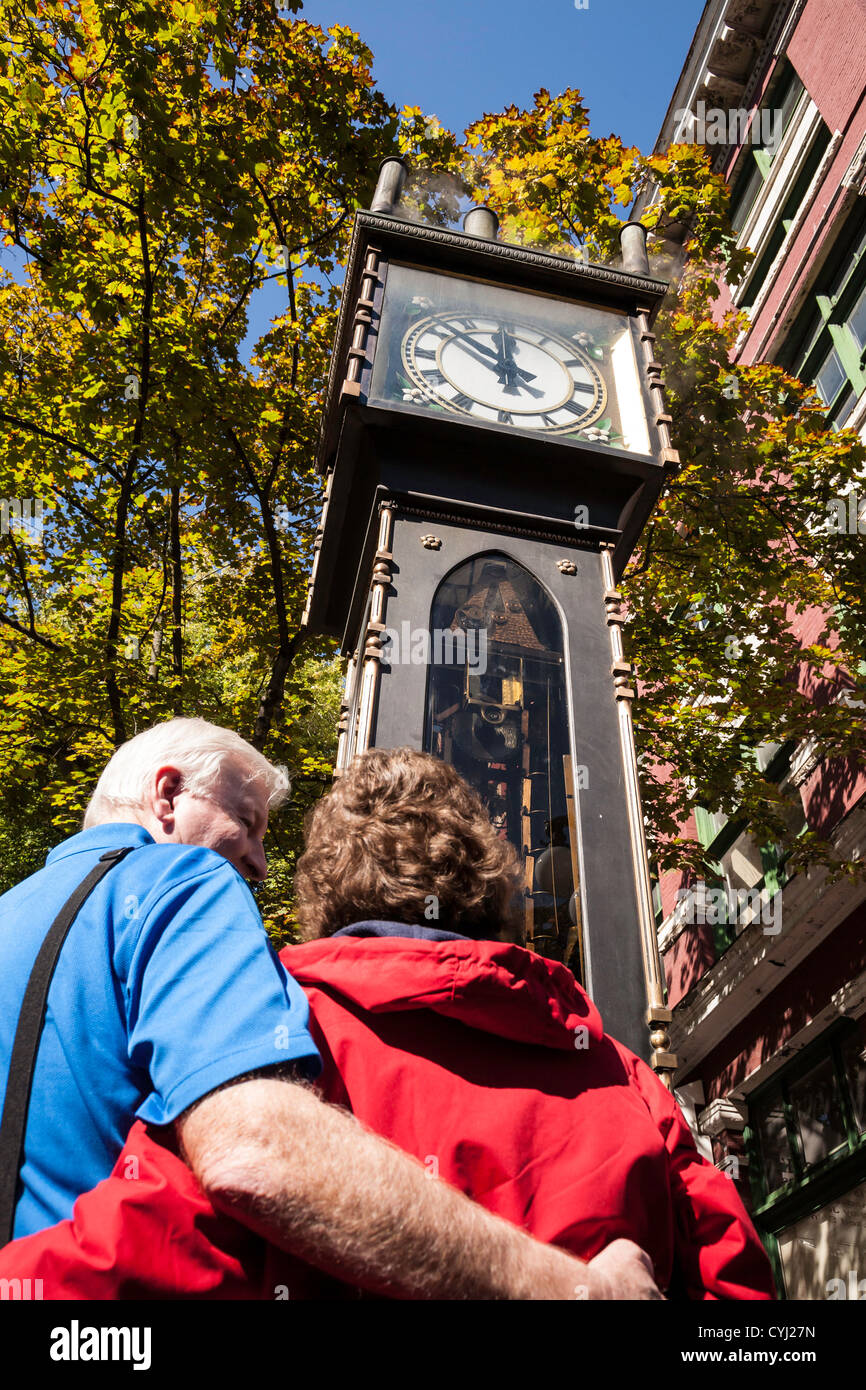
(166, 987)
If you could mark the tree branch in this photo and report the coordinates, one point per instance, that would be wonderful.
(33, 635)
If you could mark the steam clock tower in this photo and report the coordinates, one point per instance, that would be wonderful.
(494, 440)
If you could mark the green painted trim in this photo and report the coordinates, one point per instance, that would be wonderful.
(764, 162)
(771, 1245)
(848, 351)
(771, 864)
(839, 1173)
(704, 826)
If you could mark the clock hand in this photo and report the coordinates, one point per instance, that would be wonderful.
(511, 370)
(498, 366)
(490, 352)
(492, 366)
(507, 364)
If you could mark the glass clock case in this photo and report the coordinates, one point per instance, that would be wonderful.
(506, 358)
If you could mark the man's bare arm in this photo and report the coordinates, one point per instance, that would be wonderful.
(312, 1180)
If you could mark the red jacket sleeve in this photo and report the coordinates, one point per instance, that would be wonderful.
(718, 1253)
(146, 1231)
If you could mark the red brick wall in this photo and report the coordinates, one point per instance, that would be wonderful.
(691, 956)
(828, 50)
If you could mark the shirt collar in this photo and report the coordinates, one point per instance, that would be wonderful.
(381, 928)
(109, 836)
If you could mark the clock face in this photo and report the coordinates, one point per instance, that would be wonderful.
(503, 371)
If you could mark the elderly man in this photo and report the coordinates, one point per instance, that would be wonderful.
(168, 1004)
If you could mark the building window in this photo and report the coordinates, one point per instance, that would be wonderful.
(770, 1128)
(827, 345)
(854, 1061)
(817, 1112)
(783, 223)
(806, 1139)
(759, 156)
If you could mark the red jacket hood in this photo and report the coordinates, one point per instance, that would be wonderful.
(489, 985)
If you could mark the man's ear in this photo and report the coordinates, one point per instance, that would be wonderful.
(166, 785)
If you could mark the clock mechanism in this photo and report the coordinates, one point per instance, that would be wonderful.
(500, 720)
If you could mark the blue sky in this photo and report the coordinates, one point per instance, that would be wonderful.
(458, 59)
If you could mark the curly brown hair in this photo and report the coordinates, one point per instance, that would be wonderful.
(397, 827)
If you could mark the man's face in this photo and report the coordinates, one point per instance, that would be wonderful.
(232, 820)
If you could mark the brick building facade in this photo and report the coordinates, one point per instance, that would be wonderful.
(769, 1009)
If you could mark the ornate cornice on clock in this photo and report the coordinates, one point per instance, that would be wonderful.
(430, 511)
(582, 271)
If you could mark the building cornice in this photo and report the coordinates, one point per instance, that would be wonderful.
(757, 961)
(733, 46)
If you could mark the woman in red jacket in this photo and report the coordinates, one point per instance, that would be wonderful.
(486, 1061)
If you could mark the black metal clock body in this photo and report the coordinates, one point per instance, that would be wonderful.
(494, 440)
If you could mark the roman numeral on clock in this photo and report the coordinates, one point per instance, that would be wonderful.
(464, 402)
(426, 353)
(574, 408)
(504, 418)
(433, 376)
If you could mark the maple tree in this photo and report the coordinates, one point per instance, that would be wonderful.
(159, 164)
(742, 541)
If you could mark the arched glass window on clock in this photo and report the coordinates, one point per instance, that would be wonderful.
(496, 711)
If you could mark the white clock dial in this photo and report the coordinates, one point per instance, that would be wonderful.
(503, 372)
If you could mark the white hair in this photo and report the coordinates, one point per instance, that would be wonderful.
(197, 749)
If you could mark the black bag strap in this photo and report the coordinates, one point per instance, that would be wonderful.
(22, 1063)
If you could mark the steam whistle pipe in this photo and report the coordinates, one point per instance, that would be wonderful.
(481, 222)
(632, 239)
(389, 186)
